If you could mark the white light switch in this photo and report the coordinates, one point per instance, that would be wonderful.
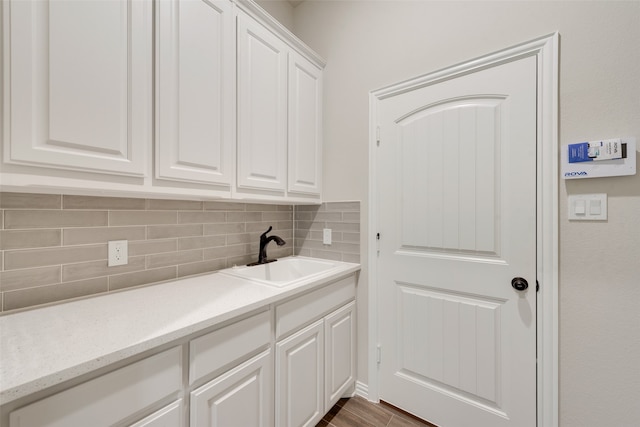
(326, 236)
(588, 207)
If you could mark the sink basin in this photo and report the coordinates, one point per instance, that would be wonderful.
(283, 272)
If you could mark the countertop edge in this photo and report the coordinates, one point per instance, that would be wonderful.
(55, 378)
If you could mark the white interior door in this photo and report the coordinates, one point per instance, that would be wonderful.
(457, 221)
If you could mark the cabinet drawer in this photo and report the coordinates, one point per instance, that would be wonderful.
(217, 349)
(298, 312)
(108, 399)
(169, 416)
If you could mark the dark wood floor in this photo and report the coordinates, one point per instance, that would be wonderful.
(359, 412)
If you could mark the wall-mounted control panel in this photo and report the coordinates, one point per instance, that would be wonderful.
(600, 158)
(588, 207)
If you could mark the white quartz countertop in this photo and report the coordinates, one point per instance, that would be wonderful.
(43, 347)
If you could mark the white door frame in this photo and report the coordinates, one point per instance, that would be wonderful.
(545, 49)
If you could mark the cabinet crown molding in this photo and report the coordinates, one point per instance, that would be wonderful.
(262, 16)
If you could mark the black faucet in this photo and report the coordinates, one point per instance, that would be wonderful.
(264, 241)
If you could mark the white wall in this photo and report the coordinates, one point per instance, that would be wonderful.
(282, 10)
(371, 44)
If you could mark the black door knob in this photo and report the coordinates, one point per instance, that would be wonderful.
(519, 284)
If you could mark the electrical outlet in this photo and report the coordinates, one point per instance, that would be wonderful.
(118, 253)
(326, 236)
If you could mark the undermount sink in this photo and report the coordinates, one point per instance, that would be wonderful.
(283, 272)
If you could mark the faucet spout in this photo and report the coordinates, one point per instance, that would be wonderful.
(264, 241)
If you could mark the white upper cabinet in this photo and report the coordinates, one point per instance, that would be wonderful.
(262, 107)
(305, 125)
(78, 85)
(234, 110)
(195, 91)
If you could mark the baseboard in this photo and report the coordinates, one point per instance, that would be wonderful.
(362, 390)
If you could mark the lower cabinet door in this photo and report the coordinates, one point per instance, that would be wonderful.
(300, 377)
(240, 397)
(340, 350)
(169, 416)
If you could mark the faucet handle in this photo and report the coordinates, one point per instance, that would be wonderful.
(264, 235)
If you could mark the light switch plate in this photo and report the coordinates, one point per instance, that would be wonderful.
(588, 207)
(326, 236)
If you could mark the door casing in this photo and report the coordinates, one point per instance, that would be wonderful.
(546, 51)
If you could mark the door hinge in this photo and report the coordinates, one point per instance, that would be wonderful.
(378, 354)
(378, 136)
(537, 286)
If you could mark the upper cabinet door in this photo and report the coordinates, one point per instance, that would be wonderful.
(305, 125)
(262, 107)
(195, 91)
(78, 78)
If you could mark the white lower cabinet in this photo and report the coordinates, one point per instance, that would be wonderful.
(307, 357)
(241, 391)
(340, 351)
(300, 368)
(240, 397)
(169, 416)
(315, 365)
(110, 399)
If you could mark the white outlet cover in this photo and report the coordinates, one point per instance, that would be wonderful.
(118, 253)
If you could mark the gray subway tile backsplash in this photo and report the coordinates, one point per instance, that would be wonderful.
(12, 280)
(142, 217)
(21, 219)
(30, 201)
(173, 205)
(53, 256)
(343, 218)
(84, 236)
(53, 293)
(89, 202)
(54, 247)
(25, 239)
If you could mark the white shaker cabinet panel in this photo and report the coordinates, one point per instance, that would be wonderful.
(169, 416)
(242, 396)
(340, 351)
(195, 91)
(78, 84)
(305, 126)
(299, 378)
(225, 346)
(262, 107)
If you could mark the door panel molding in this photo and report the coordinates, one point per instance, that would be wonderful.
(546, 51)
